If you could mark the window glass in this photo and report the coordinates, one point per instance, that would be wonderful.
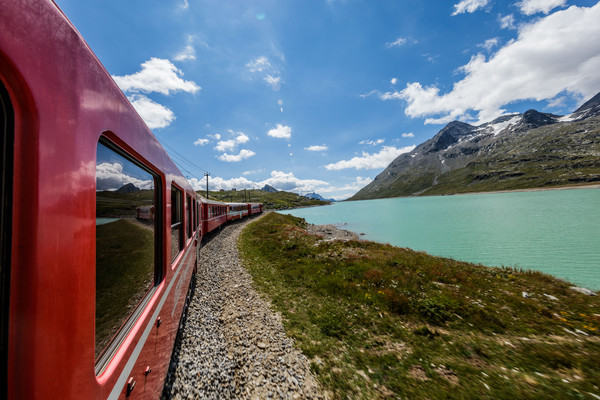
(125, 241)
(176, 222)
(189, 216)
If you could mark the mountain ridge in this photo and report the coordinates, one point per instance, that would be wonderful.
(514, 151)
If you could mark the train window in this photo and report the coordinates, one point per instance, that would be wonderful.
(189, 216)
(176, 222)
(6, 192)
(126, 250)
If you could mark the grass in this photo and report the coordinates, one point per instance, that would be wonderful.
(379, 321)
(272, 200)
(124, 274)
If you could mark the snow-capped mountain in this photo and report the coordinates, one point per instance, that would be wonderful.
(531, 149)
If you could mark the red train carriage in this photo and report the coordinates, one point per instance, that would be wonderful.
(214, 214)
(236, 211)
(77, 164)
(255, 208)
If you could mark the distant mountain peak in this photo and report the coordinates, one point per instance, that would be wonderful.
(128, 188)
(590, 108)
(270, 189)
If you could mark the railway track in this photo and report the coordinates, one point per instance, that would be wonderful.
(231, 344)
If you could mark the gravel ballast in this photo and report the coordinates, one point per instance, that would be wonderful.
(232, 345)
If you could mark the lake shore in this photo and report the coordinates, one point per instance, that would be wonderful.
(378, 321)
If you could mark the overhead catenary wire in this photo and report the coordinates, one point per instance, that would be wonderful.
(176, 156)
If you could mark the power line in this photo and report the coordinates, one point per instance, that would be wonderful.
(180, 157)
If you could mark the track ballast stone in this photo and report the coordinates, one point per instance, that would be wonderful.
(231, 344)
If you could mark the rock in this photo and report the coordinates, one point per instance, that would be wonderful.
(583, 290)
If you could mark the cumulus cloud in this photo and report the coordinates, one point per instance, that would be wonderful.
(271, 75)
(273, 81)
(201, 142)
(507, 21)
(371, 161)
(259, 64)
(110, 176)
(242, 155)
(469, 6)
(393, 81)
(188, 53)
(554, 54)
(156, 75)
(230, 145)
(280, 132)
(317, 148)
(287, 181)
(489, 44)
(278, 179)
(530, 7)
(408, 135)
(154, 115)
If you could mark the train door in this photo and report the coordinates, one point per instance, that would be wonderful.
(6, 170)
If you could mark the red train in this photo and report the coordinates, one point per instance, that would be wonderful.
(99, 229)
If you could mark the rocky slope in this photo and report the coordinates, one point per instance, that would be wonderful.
(515, 151)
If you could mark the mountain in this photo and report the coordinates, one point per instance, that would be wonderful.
(515, 151)
(128, 188)
(269, 189)
(316, 196)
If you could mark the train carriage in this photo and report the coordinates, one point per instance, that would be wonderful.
(90, 201)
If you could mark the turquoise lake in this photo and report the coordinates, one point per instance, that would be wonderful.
(555, 231)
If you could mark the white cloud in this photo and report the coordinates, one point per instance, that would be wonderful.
(287, 181)
(397, 43)
(316, 148)
(469, 6)
(154, 115)
(242, 155)
(279, 180)
(110, 176)
(554, 54)
(201, 142)
(530, 7)
(188, 53)
(408, 135)
(156, 75)
(489, 44)
(371, 161)
(259, 64)
(507, 21)
(372, 142)
(393, 81)
(280, 132)
(273, 81)
(230, 145)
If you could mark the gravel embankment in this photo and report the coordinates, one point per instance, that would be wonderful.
(232, 346)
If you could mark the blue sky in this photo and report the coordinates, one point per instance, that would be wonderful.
(321, 95)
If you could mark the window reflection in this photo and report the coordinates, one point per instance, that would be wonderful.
(125, 242)
(176, 222)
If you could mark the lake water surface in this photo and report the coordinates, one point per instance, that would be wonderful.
(556, 231)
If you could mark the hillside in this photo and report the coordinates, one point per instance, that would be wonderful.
(279, 200)
(516, 151)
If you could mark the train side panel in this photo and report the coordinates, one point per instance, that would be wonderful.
(64, 102)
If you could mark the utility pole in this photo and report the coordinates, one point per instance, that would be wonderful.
(207, 175)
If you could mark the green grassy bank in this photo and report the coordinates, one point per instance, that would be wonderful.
(272, 200)
(379, 321)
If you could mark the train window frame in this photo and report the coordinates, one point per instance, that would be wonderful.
(109, 351)
(177, 209)
(188, 214)
(6, 197)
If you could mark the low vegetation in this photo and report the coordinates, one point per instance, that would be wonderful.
(272, 200)
(379, 321)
